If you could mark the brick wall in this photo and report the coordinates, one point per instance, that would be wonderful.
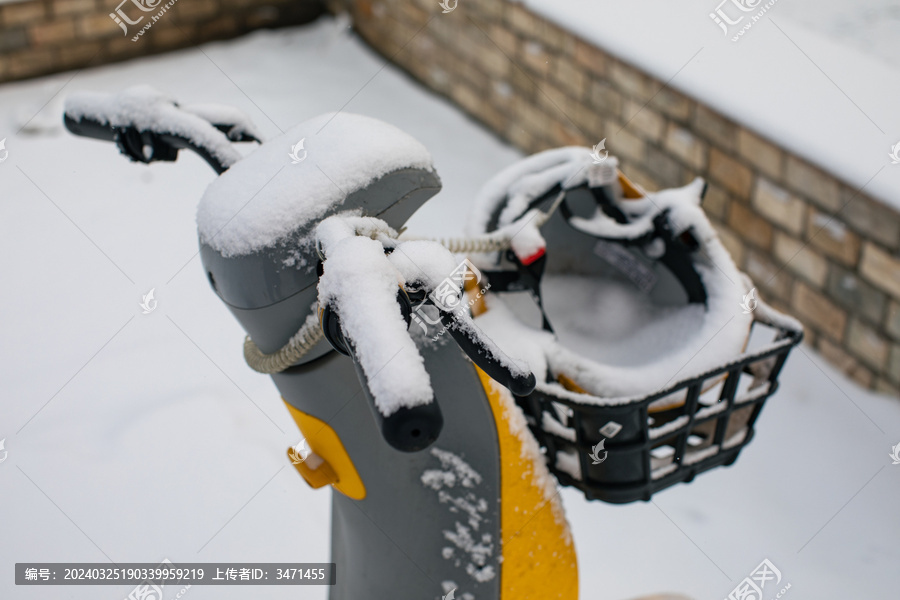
(45, 36)
(814, 246)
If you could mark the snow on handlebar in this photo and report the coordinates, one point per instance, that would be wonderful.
(368, 277)
(148, 126)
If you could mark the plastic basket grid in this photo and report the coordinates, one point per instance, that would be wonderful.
(650, 450)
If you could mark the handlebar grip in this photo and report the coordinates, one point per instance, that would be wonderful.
(133, 142)
(89, 128)
(408, 429)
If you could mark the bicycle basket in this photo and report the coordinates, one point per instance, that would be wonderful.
(621, 451)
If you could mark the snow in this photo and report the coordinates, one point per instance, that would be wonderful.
(792, 77)
(639, 345)
(266, 197)
(149, 449)
(479, 549)
(148, 109)
(362, 285)
(219, 114)
(528, 179)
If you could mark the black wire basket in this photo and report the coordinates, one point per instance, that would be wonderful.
(628, 451)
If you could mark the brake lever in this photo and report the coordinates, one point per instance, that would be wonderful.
(446, 296)
(484, 352)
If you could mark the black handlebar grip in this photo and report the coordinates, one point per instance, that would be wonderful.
(90, 128)
(408, 429)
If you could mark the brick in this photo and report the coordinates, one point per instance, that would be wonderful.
(99, 26)
(30, 62)
(554, 101)
(732, 243)
(522, 20)
(504, 39)
(13, 39)
(750, 226)
(530, 118)
(863, 377)
(414, 14)
(591, 122)
(268, 16)
(21, 13)
(643, 121)
(591, 58)
(715, 202)
(124, 47)
(883, 386)
(715, 128)
(572, 79)
(623, 142)
(672, 104)
(686, 146)
(893, 367)
(501, 92)
(664, 168)
(523, 84)
(221, 27)
(829, 235)
(767, 158)
(880, 268)
(470, 43)
(606, 98)
(198, 9)
(75, 7)
(466, 73)
(535, 58)
(490, 10)
(871, 218)
(496, 119)
(799, 259)
(779, 206)
(845, 363)
(631, 81)
(563, 133)
(732, 175)
(812, 183)
(493, 63)
(521, 139)
(810, 336)
(52, 33)
(892, 322)
(857, 295)
(767, 275)
(864, 342)
(79, 54)
(550, 35)
(813, 308)
(469, 99)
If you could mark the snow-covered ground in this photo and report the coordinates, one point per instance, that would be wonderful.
(137, 437)
(818, 77)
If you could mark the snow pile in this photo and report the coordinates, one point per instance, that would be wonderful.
(222, 114)
(362, 286)
(147, 109)
(456, 483)
(528, 179)
(271, 193)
